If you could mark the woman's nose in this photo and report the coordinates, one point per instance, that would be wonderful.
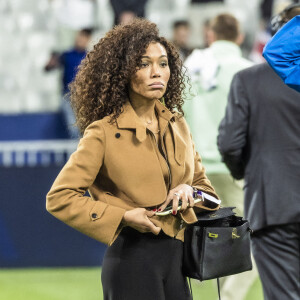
(155, 71)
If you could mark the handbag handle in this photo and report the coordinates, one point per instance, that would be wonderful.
(218, 284)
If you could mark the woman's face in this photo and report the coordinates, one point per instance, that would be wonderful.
(150, 81)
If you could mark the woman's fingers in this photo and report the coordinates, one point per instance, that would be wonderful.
(182, 193)
(149, 225)
(191, 200)
(152, 228)
(187, 200)
(166, 203)
(150, 213)
(184, 201)
(176, 197)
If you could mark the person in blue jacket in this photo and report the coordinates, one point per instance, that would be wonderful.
(282, 52)
(69, 61)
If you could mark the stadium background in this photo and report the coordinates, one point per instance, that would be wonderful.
(41, 258)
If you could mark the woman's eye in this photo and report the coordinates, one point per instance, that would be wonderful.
(144, 65)
(164, 64)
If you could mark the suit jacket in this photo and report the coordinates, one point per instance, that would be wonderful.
(259, 139)
(120, 166)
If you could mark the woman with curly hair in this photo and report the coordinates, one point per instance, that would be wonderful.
(135, 158)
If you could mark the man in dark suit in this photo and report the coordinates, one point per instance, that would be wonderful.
(259, 140)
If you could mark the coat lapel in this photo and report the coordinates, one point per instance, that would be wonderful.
(128, 119)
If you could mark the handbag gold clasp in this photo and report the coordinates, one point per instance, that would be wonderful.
(213, 235)
(234, 234)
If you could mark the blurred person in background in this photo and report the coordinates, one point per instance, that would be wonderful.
(206, 33)
(135, 158)
(69, 61)
(211, 72)
(126, 10)
(199, 11)
(283, 51)
(259, 141)
(265, 30)
(263, 33)
(181, 34)
(70, 17)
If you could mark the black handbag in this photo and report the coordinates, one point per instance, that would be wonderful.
(217, 245)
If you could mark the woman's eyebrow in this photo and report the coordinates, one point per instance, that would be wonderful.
(144, 56)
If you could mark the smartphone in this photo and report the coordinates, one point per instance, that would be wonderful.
(202, 197)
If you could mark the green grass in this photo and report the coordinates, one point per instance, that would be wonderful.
(79, 284)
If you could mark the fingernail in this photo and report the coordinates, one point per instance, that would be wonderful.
(154, 209)
(174, 212)
(159, 209)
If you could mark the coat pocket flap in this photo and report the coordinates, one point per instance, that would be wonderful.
(97, 210)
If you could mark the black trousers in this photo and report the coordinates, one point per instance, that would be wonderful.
(142, 266)
(276, 250)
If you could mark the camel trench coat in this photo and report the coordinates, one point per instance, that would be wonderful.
(119, 165)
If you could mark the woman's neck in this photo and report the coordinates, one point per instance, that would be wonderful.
(144, 108)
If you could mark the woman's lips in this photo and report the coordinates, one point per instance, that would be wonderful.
(156, 85)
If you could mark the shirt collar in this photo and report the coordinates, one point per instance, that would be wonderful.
(223, 49)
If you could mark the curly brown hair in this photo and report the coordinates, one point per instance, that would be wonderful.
(101, 85)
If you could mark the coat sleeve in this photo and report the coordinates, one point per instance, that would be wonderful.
(233, 129)
(282, 53)
(200, 180)
(66, 199)
(202, 183)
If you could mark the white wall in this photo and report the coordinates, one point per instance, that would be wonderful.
(31, 29)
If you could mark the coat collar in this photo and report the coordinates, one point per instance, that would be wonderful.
(128, 119)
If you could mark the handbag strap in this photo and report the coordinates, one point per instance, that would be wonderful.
(218, 284)
(190, 286)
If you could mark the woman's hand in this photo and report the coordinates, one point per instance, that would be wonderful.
(182, 192)
(138, 218)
